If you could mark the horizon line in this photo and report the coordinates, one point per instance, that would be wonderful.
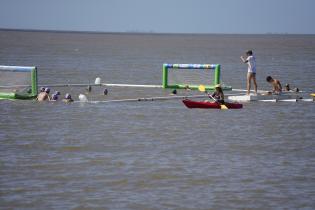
(145, 32)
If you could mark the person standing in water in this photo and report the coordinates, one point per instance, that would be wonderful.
(68, 98)
(54, 97)
(44, 96)
(251, 71)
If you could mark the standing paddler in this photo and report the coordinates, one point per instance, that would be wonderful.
(251, 70)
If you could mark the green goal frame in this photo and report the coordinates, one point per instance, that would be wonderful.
(216, 80)
(33, 76)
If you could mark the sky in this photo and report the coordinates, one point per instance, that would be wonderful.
(161, 16)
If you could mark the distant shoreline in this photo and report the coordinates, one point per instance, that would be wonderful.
(148, 33)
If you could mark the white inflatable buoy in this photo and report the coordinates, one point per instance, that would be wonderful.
(97, 81)
(83, 98)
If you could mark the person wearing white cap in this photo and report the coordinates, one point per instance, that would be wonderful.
(67, 98)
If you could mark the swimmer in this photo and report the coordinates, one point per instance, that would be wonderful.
(43, 96)
(105, 92)
(54, 97)
(287, 87)
(174, 92)
(88, 88)
(276, 85)
(67, 98)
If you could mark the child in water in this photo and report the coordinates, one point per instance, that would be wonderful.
(288, 88)
(54, 97)
(218, 95)
(43, 96)
(67, 98)
(276, 85)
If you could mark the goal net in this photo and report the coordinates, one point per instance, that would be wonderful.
(180, 76)
(18, 82)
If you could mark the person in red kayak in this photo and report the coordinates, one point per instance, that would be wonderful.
(218, 95)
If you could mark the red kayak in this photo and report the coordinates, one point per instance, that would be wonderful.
(210, 105)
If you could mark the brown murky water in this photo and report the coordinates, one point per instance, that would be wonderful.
(156, 154)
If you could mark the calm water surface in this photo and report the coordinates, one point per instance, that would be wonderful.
(156, 154)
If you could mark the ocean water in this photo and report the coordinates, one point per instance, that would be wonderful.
(156, 154)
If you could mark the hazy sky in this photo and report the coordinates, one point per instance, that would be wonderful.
(164, 16)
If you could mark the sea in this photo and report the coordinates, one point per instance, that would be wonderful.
(150, 155)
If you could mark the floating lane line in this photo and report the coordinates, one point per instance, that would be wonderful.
(288, 100)
(147, 99)
(117, 85)
(102, 84)
(132, 85)
(158, 98)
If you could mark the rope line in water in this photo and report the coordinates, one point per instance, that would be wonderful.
(157, 98)
(102, 84)
(113, 85)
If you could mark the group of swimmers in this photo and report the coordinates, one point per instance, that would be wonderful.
(44, 96)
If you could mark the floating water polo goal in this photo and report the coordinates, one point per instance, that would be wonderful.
(18, 82)
(181, 76)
